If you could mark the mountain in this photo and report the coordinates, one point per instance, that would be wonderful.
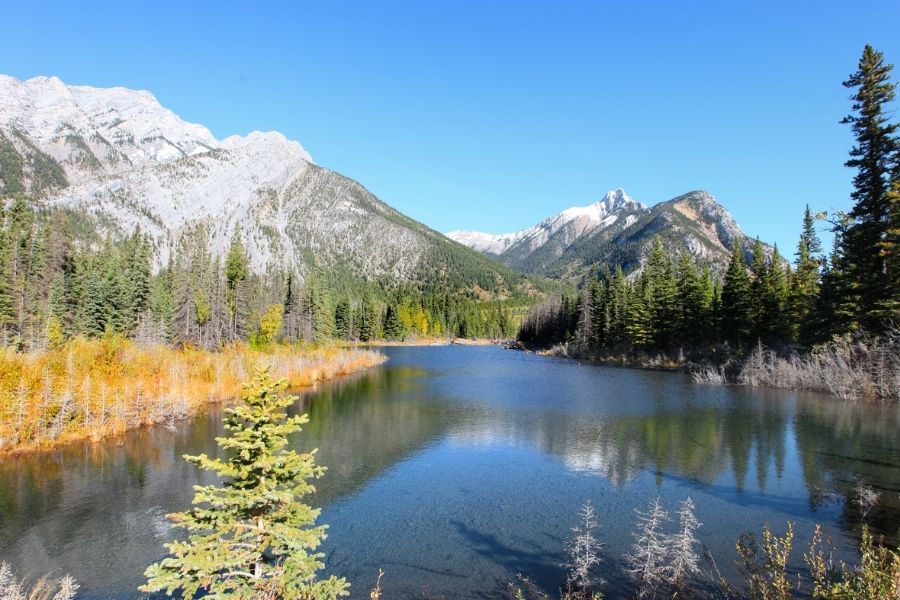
(616, 230)
(535, 248)
(118, 160)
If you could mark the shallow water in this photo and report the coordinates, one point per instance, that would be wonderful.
(456, 468)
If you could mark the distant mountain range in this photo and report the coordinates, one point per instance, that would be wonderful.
(119, 159)
(616, 230)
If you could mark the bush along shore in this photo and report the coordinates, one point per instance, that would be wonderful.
(92, 389)
(669, 560)
(856, 367)
(851, 368)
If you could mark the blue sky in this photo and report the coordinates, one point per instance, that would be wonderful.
(493, 115)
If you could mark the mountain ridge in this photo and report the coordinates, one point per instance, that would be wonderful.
(122, 160)
(694, 222)
(602, 212)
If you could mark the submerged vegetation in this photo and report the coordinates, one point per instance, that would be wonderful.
(102, 387)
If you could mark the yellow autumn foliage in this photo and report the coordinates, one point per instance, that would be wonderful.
(101, 387)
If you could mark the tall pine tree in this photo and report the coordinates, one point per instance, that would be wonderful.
(736, 304)
(874, 157)
(805, 283)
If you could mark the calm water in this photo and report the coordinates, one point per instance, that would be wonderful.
(455, 468)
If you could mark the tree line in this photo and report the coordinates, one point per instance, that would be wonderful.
(674, 303)
(53, 288)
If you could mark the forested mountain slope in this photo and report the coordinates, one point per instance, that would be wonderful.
(119, 160)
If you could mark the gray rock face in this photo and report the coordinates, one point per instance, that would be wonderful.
(620, 231)
(122, 160)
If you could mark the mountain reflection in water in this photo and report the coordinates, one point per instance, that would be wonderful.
(455, 468)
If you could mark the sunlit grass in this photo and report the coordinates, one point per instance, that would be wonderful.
(98, 388)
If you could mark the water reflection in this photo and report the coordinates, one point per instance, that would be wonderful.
(457, 467)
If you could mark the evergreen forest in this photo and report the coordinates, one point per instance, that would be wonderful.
(674, 307)
(54, 288)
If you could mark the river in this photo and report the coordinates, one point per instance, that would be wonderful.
(455, 469)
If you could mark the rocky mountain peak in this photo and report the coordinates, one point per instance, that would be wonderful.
(575, 222)
(617, 230)
(120, 160)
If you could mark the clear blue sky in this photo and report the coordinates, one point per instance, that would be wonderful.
(493, 115)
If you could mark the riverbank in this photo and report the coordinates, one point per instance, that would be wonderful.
(855, 368)
(433, 342)
(655, 363)
(93, 389)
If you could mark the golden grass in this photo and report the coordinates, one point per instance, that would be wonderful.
(98, 388)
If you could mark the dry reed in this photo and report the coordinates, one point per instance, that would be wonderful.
(98, 388)
(854, 368)
(44, 588)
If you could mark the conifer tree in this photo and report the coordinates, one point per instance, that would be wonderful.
(56, 308)
(685, 558)
(6, 293)
(291, 308)
(693, 308)
(891, 246)
(647, 561)
(342, 319)
(368, 325)
(242, 307)
(805, 283)
(393, 326)
(639, 316)
(836, 306)
(736, 307)
(775, 303)
(584, 330)
(619, 298)
(237, 270)
(319, 304)
(663, 297)
(759, 287)
(874, 156)
(584, 556)
(20, 225)
(600, 313)
(252, 537)
(184, 292)
(161, 306)
(137, 275)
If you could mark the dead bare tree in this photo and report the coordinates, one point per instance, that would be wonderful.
(648, 560)
(685, 560)
(584, 554)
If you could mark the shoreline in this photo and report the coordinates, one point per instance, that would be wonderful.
(431, 342)
(97, 389)
(860, 370)
(621, 362)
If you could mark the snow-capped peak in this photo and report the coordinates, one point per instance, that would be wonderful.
(128, 126)
(596, 212)
(580, 220)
